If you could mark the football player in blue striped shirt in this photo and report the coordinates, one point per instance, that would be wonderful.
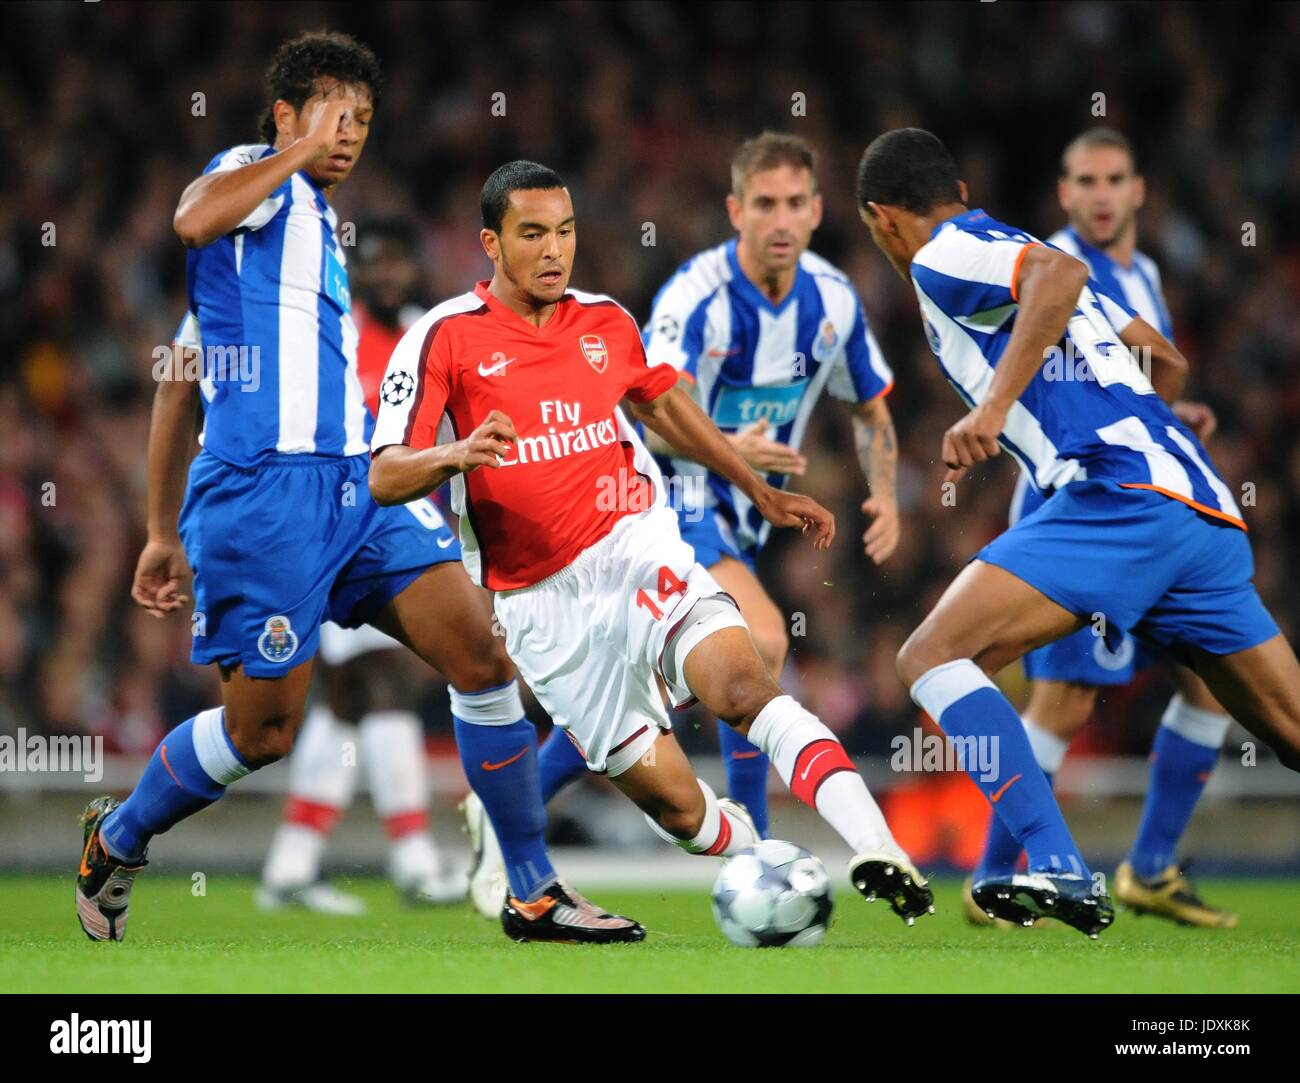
(277, 521)
(1141, 535)
(1101, 191)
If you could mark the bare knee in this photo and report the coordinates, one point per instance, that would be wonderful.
(267, 738)
(918, 655)
(738, 698)
(476, 670)
(773, 645)
(1062, 708)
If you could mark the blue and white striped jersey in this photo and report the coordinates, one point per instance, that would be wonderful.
(1138, 286)
(747, 359)
(280, 348)
(1092, 413)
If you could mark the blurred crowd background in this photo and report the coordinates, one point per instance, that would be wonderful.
(116, 106)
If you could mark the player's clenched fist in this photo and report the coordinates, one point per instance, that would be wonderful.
(974, 439)
(1198, 417)
(794, 509)
(488, 444)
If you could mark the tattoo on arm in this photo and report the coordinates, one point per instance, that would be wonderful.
(877, 446)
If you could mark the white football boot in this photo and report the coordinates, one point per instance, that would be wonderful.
(488, 883)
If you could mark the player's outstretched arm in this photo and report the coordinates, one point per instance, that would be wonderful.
(1168, 367)
(877, 445)
(162, 569)
(1047, 289)
(764, 454)
(400, 474)
(215, 203)
(675, 417)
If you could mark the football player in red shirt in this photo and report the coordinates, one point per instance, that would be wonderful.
(513, 391)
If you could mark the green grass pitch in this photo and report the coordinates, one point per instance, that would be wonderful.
(220, 943)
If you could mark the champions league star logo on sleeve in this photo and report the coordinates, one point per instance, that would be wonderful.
(279, 642)
(397, 387)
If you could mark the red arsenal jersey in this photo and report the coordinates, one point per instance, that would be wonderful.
(577, 467)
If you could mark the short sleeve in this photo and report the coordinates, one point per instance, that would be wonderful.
(237, 158)
(644, 380)
(187, 334)
(417, 383)
(674, 334)
(860, 372)
(965, 274)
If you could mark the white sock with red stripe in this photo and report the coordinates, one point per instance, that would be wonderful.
(812, 762)
(720, 835)
(322, 780)
(392, 749)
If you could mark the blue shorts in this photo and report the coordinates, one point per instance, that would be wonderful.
(711, 537)
(1148, 564)
(1083, 657)
(279, 548)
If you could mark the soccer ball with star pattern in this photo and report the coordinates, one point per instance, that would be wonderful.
(773, 895)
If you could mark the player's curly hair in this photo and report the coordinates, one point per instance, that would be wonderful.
(300, 62)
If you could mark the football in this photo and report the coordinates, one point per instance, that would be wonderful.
(773, 895)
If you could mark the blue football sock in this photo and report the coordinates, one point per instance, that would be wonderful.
(187, 772)
(558, 764)
(746, 774)
(967, 704)
(1183, 755)
(1001, 850)
(498, 750)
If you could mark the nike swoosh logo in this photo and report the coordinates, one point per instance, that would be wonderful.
(494, 369)
(804, 776)
(504, 763)
(750, 755)
(444, 542)
(996, 796)
(162, 752)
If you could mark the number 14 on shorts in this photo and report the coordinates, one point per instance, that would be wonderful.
(668, 585)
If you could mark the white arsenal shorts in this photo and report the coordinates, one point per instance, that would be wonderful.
(590, 640)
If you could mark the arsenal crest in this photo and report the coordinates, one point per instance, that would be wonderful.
(593, 349)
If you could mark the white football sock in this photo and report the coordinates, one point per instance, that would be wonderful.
(1049, 749)
(720, 835)
(812, 762)
(1206, 728)
(392, 747)
(322, 780)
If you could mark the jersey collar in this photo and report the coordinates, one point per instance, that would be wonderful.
(503, 311)
(756, 296)
(972, 217)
